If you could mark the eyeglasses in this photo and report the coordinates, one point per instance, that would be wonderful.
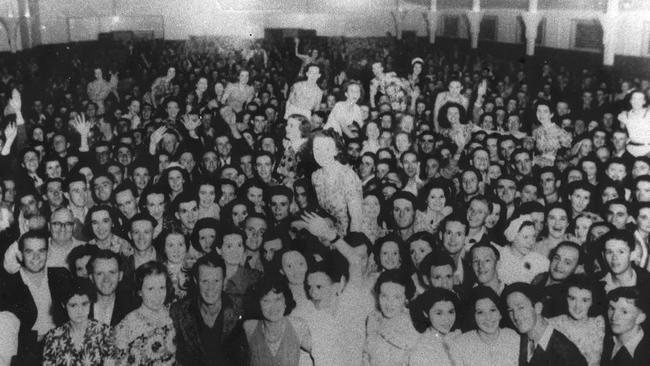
(58, 225)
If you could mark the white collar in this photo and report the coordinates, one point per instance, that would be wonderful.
(546, 337)
(631, 344)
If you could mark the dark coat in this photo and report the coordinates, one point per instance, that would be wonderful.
(559, 352)
(190, 350)
(21, 303)
(641, 354)
(124, 304)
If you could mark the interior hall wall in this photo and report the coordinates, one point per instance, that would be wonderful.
(83, 20)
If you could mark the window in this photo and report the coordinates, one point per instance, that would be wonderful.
(541, 29)
(450, 28)
(587, 35)
(489, 28)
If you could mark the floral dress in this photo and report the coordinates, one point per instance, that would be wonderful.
(98, 345)
(548, 140)
(587, 336)
(338, 192)
(144, 340)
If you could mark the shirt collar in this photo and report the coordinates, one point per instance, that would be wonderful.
(546, 337)
(631, 344)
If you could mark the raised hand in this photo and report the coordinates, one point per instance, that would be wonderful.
(81, 125)
(11, 131)
(190, 123)
(318, 226)
(158, 134)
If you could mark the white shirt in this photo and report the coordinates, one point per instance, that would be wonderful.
(512, 268)
(103, 314)
(43, 300)
(9, 327)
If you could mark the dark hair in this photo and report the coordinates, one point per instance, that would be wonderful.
(435, 259)
(204, 223)
(630, 293)
(442, 114)
(484, 244)
(142, 216)
(423, 195)
(79, 252)
(584, 282)
(79, 286)
(152, 268)
(213, 260)
(479, 293)
(271, 283)
(526, 289)
(391, 237)
(232, 231)
(34, 234)
(568, 244)
(396, 276)
(151, 190)
(621, 235)
(422, 305)
(104, 254)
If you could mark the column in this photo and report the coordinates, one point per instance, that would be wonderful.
(35, 17)
(531, 21)
(474, 18)
(432, 21)
(610, 23)
(11, 26)
(398, 17)
(24, 24)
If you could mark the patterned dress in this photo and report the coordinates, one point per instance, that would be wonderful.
(98, 345)
(548, 140)
(144, 340)
(338, 192)
(588, 335)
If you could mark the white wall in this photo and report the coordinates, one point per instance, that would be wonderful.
(353, 18)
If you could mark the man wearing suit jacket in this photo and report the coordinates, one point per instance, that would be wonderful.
(627, 344)
(541, 345)
(36, 296)
(205, 320)
(114, 300)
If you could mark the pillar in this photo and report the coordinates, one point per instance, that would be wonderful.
(11, 26)
(474, 18)
(531, 21)
(432, 23)
(35, 21)
(610, 23)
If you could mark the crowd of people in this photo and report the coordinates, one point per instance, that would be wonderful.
(207, 204)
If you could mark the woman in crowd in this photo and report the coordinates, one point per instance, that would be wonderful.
(373, 223)
(337, 187)
(519, 262)
(297, 130)
(80, 340)
(102, 225)
(237, 94)
(636, 121)
(488, 343)
(390, 252)
(146, 336)
(390, 335)
(439, 310)
(583, 323)
(434, 205)
(175, 249)
(452, 95)
(208, 202)
(275, 337)
(370, 133)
